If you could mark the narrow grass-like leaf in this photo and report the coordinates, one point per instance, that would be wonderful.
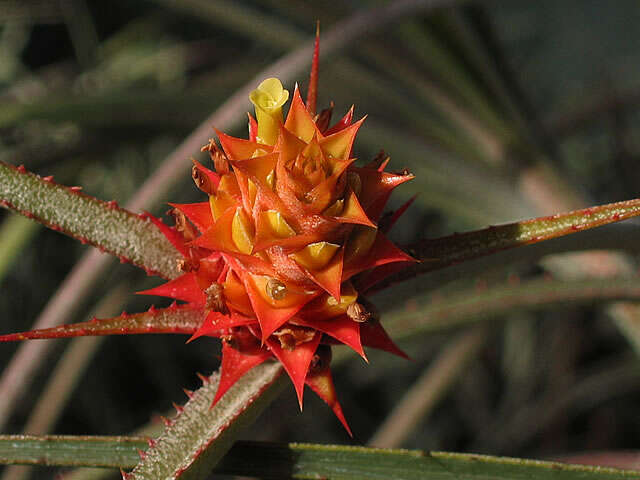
(450, 250)
(200, 436)
(174, 319)
(131, 237)
(476, 305)
(15, 234)
(333, 462)
(71, 451)
(298, 460)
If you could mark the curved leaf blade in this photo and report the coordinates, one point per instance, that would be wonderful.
(298, 460)
(337, 462)
(473, 305)
(71, 450)
(174, 319)
(453, 249)
(131, 237)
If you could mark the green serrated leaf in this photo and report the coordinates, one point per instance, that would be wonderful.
(334, 462)
(453, 249)
(183, 319)
(304, 461)
(200, 435)
(113, 229)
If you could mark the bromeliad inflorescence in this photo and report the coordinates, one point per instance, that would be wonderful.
(290, 238)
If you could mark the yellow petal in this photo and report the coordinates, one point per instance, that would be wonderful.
(328, 306)
(252, 191)
(278, 225)
(220, 203)
(315, 256)
(348, 295)
(271, 179)
(225, 197)
(242, 231)
(268, 100)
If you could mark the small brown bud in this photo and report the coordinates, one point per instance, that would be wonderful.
(202, 181)
(292, 336)
(324, 118)
(215, 298)
(358, 312)
(183, 226)
(276, 289)
(187, 265)
(219, 159)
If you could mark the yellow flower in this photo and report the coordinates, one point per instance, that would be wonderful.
(268, 99)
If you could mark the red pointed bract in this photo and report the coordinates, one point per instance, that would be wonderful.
(341, 328)
(376, 189)
(378, 274)
(170, 233)
(218, 237)
(185, 288)
(382, 252)
(215, 323)
(312, 91)
(330, 278)
(339, 144)
(343, 123)
(235, 365)
(299, 120)
(296, 362)
(353, 211)
(257, 168)
(373, 335)
(238, 148)
(322, 384)
(270, 318)
(198, 213)
(213, 177)
(395, 216)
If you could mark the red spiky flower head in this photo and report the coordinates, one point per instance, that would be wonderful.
(290, 229)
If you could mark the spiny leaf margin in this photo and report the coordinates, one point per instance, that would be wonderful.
(453, 249)
(199, 436)
(132, 238)
(184, 319)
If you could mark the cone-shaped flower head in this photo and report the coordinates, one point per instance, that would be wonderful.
(289, 232)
